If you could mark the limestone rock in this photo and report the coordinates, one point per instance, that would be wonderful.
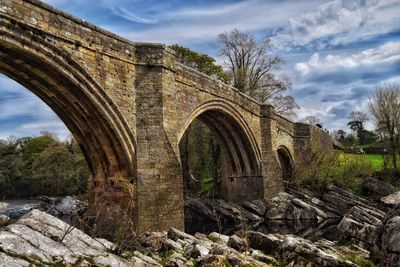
(206, 215)
(300, 210)
(391, 241)
(392, 199)
(4, 220)
(256, 206)
(277, 206)
(176, 234)
(237, 243)
(218, 236)
(296, 251)
(40, 237)
(376, 188)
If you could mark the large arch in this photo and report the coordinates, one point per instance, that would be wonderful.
(35, 62)
(241, 156)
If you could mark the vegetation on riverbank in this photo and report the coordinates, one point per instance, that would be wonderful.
(42, 165)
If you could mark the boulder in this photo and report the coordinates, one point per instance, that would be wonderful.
(376, 188)
(4, 220)
(206, 215)
(237, 243)
(67, 205)
(391, 242)
(176, 234)
(360, 225)
(256, 206)
(277, 206)
(300, 210)
(391, 200)
(39, 237)
(339, 201)
(296, 251)
(286, 206)
(218, 237)
(194, 251)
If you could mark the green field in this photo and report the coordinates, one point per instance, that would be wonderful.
(376, 160)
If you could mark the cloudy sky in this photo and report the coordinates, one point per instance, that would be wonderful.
(336, 52)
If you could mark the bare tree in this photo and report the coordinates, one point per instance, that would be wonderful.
(253, 68)
(385, 107)
(313, 120)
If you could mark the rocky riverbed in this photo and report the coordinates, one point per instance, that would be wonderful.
(296, 228)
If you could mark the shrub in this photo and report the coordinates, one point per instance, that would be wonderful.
(317, 167)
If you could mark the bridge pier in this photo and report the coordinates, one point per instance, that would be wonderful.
(159, 187)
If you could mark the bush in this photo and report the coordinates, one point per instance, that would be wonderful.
(318, 167)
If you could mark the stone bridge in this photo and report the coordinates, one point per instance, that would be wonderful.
(128, 105)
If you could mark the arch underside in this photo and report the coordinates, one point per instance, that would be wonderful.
(234, 144)
(240, 167)
(58, 81)
(286, 164)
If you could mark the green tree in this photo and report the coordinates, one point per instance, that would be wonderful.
(200, 62)
(356, 124)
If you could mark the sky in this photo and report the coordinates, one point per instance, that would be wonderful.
(336, 52)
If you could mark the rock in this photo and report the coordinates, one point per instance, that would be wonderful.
(68, 205)
(155, 241)
(220, 249)
(277, 206)
(376, 188)
(237, 243)
(296, 251)
(176, 234)
(176, 260)
(11, 261)
(194, 251)
(360, 225)
(217, 236)
(170, 244)
(258, 255)
(391, 200)
(256, 206)
(300, 210)
(391, 241)
(17, 208)
(40, 237)
(4, 220)
(206, 215)
(339, 201)
(146, 259)
(286, 206)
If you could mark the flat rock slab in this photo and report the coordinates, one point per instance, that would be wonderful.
(392, 199)
(39, 238)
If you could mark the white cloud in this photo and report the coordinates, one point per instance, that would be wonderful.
(17, 105)
(344, 20)
(206, 22)
(388, 52)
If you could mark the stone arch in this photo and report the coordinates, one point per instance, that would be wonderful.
(34, 61)
(286, 164)
(239, 147)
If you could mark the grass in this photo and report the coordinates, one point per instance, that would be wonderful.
(376, 160)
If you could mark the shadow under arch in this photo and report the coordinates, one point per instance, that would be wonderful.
(287, 164)
(241, 173)
(52, 75)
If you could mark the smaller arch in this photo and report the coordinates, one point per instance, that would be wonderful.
(286, 163)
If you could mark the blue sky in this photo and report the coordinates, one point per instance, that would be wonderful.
(336, 52)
